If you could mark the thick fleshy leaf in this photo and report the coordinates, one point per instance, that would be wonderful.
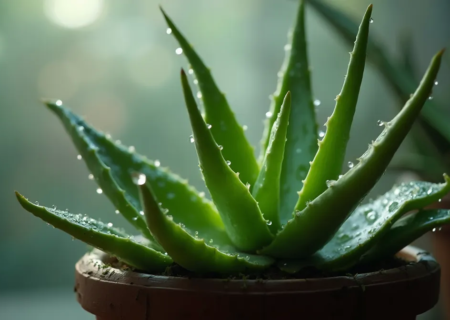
(301, 144)
(433, 118)
(240, 213)
(327, 163)
(405, 231)
(369, 224)
(267, 188)
(112, 164)
(226, 130)
(99, 235)
(190, 251)
(306, 232)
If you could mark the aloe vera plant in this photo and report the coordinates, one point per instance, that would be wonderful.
(291, 208)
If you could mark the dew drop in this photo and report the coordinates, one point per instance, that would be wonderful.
(340, 176)
(350, 164)
(191, 139)
(169, 31)
(199, 95)
(59, 103)
(430, 191)
(440, 200)
(287, 47)
(268, 222)
(117, 211)
(436, 83)
(321, 134)
(330, 183)
(157, 163)
(195, 81)
(141, 213)
(109, 225)
(434, 229)
(371, 215)
(430, 98)
(247, 185)
(201, 194)
(393, 206)
(211, 241)
(220, 147)
(99, 191)
(139, 178)
(371, 20)
(80, 128)
(209, 126)
(91, 177)
(135, 218)
(179, 51)
(244, 127)
(317, 102)
(228, 162)
(191, 71)
(79, 157)
(131, 149)
(268, 114)
(380, 123)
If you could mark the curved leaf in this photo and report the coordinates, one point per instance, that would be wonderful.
(224, 126)
(368, 225)
(306, 233)
(112, 164)
(101, 236)
(301, 144)
(267, 188)
(191, 252)
(405, 231)
(327, 163)
(242, 218)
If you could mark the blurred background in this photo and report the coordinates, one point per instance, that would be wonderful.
(113, 63)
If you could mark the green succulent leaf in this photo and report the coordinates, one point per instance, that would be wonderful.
(301, 144)
(405, 231)
(97, 234)
(190, 251)
(369, 223)
(402, 81)
(306, 233)
(112, 164)
(267, 187)
(224, 126)
(240, 213)
(327, 163)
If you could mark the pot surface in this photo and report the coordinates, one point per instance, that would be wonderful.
(399, 293)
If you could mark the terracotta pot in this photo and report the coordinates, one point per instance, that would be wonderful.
(400, 293)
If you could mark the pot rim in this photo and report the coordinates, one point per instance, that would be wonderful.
(95, 265)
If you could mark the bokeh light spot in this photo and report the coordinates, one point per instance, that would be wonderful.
(73, 13)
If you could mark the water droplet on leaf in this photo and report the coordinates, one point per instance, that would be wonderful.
(139, 178)
(99, 191)
(178, 51)
(350, 164)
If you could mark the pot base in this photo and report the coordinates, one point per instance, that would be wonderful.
(400, 293)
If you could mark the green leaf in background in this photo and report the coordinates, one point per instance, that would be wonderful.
(240, 213)
(301, 144)
(267, 187)
(405, 231)
(226, 130)
(103, 237)
(112, 165)
(190, 251)
(313, 227)
(327, 163)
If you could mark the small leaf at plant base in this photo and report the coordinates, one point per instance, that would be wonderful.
(327, 163)
(112, 164)
(195, 254)
(101, 236)
(301, 144)
(267, 188)
(369, 223)
(307, 230)
(226, 130)
(405, 231)
(240, 214)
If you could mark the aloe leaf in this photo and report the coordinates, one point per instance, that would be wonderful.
(240, 213)
(267, 187)
(405, 231)
(327, 163)
(368, 225)
(402, 81)
(226, 130)
(101, 236)
(112, 164)
(306, 233)
(190, 251)
(301, 144)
